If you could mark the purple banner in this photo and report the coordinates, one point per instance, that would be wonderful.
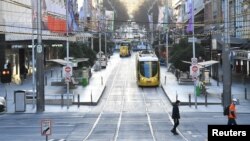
(191, 16)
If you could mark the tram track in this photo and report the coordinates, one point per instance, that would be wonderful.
(126, 114)
(104, 105)
(148, 116)
(121, 111)
(169, 114)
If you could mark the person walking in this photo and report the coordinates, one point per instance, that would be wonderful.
(175, 116)
(232, 113)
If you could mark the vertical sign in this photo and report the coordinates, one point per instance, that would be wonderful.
(45, 127)
(67, 72)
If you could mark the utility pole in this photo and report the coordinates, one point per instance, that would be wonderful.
(40, 62)
(226, 67)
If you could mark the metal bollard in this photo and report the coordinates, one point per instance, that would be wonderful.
(165, 80)
(91, 100)
(222, 99)
(51, 72)
(46, 82)
(101, 80)
(78, 100)
(205, 99)
(61, 74)
(245, 93)
(189, 99)
(62, 102)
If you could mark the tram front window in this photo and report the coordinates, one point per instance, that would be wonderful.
(148, 69)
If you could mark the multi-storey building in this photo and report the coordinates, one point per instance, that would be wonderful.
(18, 27)
(210, 13)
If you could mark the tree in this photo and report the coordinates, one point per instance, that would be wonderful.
(140, 15)
(121, 14)
(80, 50)
(184, 52)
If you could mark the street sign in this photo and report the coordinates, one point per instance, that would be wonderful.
(67, 71)
(45, 127)
(194, 61)
(194, 70)
(39, 48)
(190, 40)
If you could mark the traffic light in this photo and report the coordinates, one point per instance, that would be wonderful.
(5, 76)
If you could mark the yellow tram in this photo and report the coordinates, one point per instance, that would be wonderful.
(125, 49)
(147, 69)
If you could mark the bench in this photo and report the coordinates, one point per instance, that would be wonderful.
(72, 83)
(185, 81)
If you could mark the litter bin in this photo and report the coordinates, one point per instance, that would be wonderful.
(19, 99)
(85, 73)
(85, 81)
(198, 90)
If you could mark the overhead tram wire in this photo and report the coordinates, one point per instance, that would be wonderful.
(60, 33)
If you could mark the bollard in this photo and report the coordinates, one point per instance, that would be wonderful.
(51, 72)
(245, 93)
(205, 99)
(217, 82)
(176, 97)
(222, 99)
(61, 74)
(78, 100)
(101, 80)
(46, 82)
(91, 98)
(189, 99)
(62, 102)
(165, 80)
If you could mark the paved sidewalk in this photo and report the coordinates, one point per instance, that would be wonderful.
(183, 92)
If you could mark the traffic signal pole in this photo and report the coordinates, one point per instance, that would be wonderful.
(40, 62)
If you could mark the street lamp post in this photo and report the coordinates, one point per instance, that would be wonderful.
(225, 58)
(167, 30)
(40, 62)
(218, 70)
